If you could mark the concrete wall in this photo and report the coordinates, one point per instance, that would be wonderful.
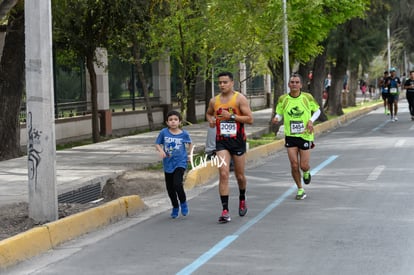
(78, 128)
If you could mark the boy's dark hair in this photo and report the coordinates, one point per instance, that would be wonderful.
(174, 113)
(229, 74)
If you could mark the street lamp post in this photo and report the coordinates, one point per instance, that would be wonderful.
(41, 145)
(286, 70)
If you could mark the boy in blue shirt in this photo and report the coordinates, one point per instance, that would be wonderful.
(170, 144)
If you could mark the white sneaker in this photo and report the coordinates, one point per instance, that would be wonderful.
(392, 119)
(396, 118)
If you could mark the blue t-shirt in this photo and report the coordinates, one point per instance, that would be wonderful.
(174, 147)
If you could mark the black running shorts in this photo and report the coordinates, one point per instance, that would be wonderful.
(235, 146)
(298, 142)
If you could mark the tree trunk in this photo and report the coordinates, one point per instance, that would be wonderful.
(317, 85)
(141, 77)
(303, 71)
(338, 74)
(191, 103)
(276, 68)
(11, 86)
(353, 86)
(208, 91)
(191, 88)
(94, 96)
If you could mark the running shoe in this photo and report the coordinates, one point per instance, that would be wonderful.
(242, 208)
(225, 217)
(306, 177)
(301, 194)
(396, 118)
(392, 119)
(174, 212)
(184, 209)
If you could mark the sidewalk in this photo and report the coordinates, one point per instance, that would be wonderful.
(89, 166)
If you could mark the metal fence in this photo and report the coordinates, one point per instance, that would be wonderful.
(82, 108)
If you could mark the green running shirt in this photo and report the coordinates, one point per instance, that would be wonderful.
(296, 112)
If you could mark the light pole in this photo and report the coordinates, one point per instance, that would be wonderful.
(389, 42)
(41, 145)
(286, 70)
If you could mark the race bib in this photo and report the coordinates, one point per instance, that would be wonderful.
(297, 127)
(228, 128)
(393, 90)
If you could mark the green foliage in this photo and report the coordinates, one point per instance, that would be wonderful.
(68, 85)
(119, 74)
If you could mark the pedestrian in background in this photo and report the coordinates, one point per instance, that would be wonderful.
(327, 87)
(299, 110)
(171, 145)
(384, 91)
(393, 84)
(409, 86)
(228, 112)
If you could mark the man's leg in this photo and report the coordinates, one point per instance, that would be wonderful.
(224, 171)
(304, 165)
(239, 172)
(391, 108)
(304, 160)
(395, 108)
(294, 165)
(239, 166)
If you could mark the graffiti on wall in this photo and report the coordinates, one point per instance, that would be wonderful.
(34, 157)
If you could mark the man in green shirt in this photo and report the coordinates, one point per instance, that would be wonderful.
(299, 110)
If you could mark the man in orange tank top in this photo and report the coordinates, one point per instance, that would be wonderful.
(228, 112)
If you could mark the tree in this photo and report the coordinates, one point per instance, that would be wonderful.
(181, 34)
(335, 13)
(82, 27)
(131, 42)
(11, 79)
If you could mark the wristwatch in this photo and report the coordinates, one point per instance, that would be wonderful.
(233, 117)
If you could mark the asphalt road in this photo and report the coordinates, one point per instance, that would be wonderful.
(356, 219)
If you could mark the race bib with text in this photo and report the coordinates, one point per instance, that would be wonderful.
(297, 127)
(228, 128)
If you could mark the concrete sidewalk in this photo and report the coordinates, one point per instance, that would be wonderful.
(93, 164)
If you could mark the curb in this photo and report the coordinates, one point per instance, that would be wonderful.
(48, 236)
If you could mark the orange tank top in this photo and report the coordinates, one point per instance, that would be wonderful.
(228, 128)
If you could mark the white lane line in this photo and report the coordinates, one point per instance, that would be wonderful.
(380, 126)
(226, 241)
(376, 172)
(400, 143)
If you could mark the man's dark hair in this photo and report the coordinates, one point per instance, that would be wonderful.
(229, 74)
(174, 113)
(296, 75)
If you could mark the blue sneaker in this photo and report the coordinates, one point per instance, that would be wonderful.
(184, 209)
(174, 212)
